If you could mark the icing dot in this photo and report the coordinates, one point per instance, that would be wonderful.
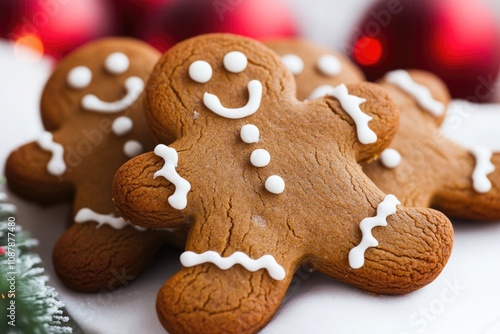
(235, 61)
(294, 63)
(260, 158)
(122, 125)
(275, 184)
(249, 133)
(117, 63)
(200, 71)
(132, 148)
(79, 77)
(329, 65)
(390, 158)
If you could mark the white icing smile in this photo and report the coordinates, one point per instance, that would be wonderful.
(213, 103)
(116, 63)
(134, 87)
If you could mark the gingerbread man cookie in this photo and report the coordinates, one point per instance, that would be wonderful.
(265, 183)
(422, 167)
(92, 109)
(314, 66)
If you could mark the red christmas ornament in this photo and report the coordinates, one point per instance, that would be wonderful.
(134, 13)
(182, 19)
(456, 39)
(59, 26)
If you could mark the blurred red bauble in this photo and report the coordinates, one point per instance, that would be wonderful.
(182, 19)
(132, 14)
(59, 26)
(456, 39)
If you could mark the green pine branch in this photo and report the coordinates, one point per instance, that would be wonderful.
(28, 304)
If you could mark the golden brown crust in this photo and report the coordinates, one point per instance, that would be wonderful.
(86, 257)
(434, 171)
(313, 147)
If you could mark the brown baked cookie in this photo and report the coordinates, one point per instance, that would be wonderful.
(314, 65)
(422, 167)
(265, 183)
(92, 109)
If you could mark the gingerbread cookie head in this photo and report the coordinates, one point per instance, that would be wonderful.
(314, 66)
(265, 183)
(424, 168)
(92, 107)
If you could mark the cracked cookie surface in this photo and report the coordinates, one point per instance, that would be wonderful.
(433, 171)
(92, 111)
(253, 222)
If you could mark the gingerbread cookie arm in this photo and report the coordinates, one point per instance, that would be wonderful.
(427, 91)
(131, 185)
(474, 193)
(369, 115)
(410, 252)
(29, 173)
(380, 246)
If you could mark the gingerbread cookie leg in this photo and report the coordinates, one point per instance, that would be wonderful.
(89, 258)
(218, 288)
(234, 302)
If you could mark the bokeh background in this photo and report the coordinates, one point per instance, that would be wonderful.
(459, 40)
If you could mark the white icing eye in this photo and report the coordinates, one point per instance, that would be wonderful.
(260, 158)
(235, 61)
(249, 133)
(200, 71)
(132, 148)
(79, 77)
(329, 65)
(275, 184)
(117, 63)
(294, 63)
(122, 125)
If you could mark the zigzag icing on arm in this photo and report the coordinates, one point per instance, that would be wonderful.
(213, 103)
(85, 215)
(480, 180)
(420, 93)
(351, 105)
(268, 262)
(386, 208)
(178, 200)
(56, 165)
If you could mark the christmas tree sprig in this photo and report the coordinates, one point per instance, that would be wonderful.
(28, 304)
